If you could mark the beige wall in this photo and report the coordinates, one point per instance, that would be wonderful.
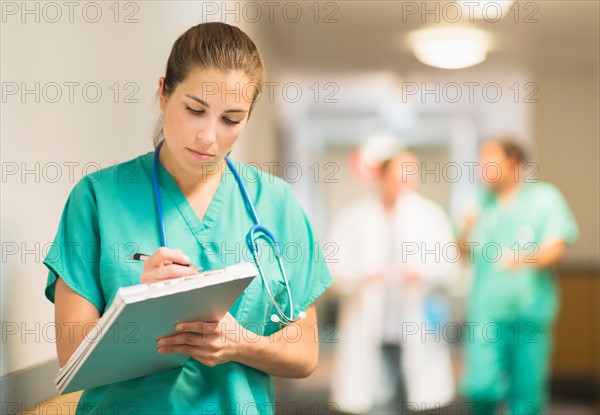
(259, 142)
(565, 130)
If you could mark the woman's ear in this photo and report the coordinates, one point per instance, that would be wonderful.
(161, 97)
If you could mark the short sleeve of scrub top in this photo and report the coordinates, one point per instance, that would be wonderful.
(559, 223)
(111, 215)
(74, 253)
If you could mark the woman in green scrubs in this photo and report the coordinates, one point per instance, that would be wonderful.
(214, 75)
(519, 233)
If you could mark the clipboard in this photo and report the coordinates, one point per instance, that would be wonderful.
(122, 345)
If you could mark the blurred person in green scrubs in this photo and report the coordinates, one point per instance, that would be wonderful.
(213, 78)
(516, 236)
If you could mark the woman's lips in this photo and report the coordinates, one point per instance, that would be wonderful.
(199, 155)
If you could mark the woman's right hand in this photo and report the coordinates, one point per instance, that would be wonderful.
(160, 265)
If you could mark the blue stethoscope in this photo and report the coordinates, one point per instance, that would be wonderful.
(256, 231)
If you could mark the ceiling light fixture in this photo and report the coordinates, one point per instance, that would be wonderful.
(451, 47)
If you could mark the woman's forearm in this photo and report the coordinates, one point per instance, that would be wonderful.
(69, 336)
(74, 317)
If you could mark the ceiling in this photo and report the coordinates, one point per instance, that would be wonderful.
(372, 35)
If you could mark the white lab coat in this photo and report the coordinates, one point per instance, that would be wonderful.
(362, 231)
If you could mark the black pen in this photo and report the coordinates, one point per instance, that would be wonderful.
(143, 257)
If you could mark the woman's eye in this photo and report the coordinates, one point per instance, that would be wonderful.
(230, 121)
(193, 111)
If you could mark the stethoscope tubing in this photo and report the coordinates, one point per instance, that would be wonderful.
(256, 231)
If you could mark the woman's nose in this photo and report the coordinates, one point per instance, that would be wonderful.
(208, 133)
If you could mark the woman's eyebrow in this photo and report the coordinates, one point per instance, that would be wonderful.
(236, 110)
(201, 101)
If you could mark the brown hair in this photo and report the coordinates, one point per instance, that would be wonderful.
(512, 149)
(212, 45)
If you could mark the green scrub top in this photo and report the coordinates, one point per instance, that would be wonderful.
(536, 213)
(111, 215)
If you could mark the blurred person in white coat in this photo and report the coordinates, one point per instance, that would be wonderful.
(395, 253)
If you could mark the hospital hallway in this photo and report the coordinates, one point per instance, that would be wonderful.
(430, 167)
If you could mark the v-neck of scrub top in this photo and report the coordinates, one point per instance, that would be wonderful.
(198, 227)
(504, 210)
(510, 204)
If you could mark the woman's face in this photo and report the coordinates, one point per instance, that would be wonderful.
(203, 117)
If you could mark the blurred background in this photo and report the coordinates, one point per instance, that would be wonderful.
(78, 94)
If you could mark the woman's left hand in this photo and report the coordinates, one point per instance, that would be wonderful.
(290, 352)
(211, 343)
